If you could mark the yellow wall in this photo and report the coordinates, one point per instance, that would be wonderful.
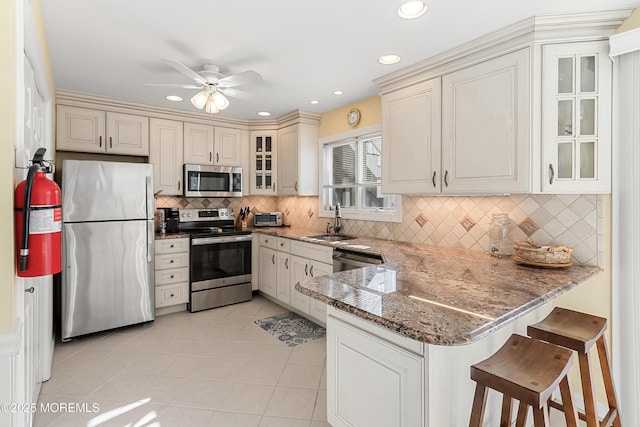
(631, 22)
(8, 91)
(335, 121)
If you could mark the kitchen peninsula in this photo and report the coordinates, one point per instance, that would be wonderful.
(401, 336)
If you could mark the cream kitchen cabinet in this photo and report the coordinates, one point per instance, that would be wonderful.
(264, 160)
(411, 139)
(310, 260)
(267, 265)
(209, 145)
(171, 272)
(298, 160)
(576, 114)
(94, 131)
(283, 271)
(484, 143)
(166, 155)
(486, 135)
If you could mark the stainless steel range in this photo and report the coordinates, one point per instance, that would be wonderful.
(220, 258)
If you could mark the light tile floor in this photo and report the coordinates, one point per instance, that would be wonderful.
(212, 368)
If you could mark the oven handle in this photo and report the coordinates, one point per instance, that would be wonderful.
(214, 240)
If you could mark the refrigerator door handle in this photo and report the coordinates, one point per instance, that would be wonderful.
(150, 197)
(150, 240)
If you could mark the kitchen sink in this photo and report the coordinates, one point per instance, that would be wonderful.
(331, 237)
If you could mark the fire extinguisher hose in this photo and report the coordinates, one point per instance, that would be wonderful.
(26, 214)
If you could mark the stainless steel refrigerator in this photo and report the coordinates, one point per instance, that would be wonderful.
(108, 237)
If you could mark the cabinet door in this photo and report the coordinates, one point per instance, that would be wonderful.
(263, 166)
(318, 309)
(299, 272)
(165, 153)
(267, 274)
(283, 277)
(576, 118)
(227, 147)
(288, 161)
(127, 134)
(198, 144)
(411, 139)
(80, 129)
(354, 357)
(486, 126)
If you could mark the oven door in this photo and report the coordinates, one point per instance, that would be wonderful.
(220, 261)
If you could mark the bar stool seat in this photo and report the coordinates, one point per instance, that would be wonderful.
(579, 332)
(528, 371)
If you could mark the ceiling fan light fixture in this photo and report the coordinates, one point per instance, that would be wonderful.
(200, 99)
(210, 106)
(220, 100)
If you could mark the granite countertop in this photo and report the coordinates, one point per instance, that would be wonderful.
(433, 294)
(178, 235)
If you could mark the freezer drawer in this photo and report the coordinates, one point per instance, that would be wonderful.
(107, 276)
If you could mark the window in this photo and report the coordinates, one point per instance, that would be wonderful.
(351, 176)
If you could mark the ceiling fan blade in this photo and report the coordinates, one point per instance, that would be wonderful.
(246, 77)
(179, 66)
(236, 93)
(175, 85)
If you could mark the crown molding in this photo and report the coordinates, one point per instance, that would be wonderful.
(541, 29)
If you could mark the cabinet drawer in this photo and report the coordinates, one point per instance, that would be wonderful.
(172, 294)
(171, 246)
(173, 275)
(164, 262)
(267, 241)
(283, 244)
(312, 251)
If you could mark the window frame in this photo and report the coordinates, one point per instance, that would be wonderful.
(349, 213)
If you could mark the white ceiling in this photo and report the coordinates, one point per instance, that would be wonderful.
(304, 49)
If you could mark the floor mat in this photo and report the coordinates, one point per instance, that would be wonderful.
(291, 329)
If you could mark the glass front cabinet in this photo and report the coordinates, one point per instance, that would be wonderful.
(576, 118)
(263, 162)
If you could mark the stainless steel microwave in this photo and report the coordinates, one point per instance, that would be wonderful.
(212, 181)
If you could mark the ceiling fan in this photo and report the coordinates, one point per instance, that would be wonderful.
(214, 86)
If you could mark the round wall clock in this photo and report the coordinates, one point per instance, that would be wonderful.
(353, 117)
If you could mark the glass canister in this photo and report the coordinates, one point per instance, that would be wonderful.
(501, 244)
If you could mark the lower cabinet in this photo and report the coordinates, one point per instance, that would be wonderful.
(372, 381)
(172, 272)
(279, 271)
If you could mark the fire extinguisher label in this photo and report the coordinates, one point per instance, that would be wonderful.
(45, 220)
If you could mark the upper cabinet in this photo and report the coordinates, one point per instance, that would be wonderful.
(486, 127)
(298, 158)
(95, 131)
(411, 139)
(209, 145)
(227, 144)
(576, 114)
(167, 156)
(524, 110)
(263, 162)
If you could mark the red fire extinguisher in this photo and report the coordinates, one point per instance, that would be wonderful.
(38, 221)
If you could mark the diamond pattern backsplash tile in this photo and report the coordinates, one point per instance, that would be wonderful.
(460, 222)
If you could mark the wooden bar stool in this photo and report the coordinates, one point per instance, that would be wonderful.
(526, 370)
(579, 332)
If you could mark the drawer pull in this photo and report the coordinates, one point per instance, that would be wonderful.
(171, 261)
(172, 276)
(172, 295)
(171, 245)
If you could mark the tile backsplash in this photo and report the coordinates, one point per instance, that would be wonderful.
(459, 222)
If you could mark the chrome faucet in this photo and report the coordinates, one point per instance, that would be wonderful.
(336, 224)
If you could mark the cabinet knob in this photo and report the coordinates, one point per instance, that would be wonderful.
(172, 295)
(171, 261)
(171, 276)
(171, 245)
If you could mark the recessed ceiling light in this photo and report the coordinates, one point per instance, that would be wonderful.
(264, 113)
(338, 92)
(389, 59)
(412, 9)
(314, 102)
(174, 98)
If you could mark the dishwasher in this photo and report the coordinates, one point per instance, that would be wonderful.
(344, 259)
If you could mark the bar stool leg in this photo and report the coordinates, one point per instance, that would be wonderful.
(522, 414)
(612, 400)
(541, 416)
(505, 417)
(569, 408)
(477, 410)
(591, 416)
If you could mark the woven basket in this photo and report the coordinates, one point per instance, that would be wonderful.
(528, 250)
